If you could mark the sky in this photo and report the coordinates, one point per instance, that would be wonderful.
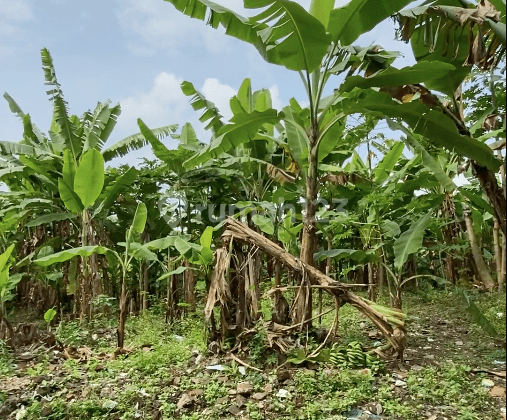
(136, 52)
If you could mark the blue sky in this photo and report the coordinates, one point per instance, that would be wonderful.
(136, 52)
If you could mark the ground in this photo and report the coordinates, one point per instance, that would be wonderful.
(452, 370)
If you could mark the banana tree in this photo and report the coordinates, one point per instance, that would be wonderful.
(466, 35)
(81, 187)
(446, 187)
(133, 250)
(63, 173)
(375, 195)
(70, 132)
(409, 242)
(199, 254)
(315, 45)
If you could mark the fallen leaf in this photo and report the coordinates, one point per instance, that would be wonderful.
(497, 391)
(184, 401)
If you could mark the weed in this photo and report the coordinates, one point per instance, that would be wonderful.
(253, 411)
(395, 407)
(39, 369)
(342, 390)
(257, 345)
(214, 390)
(5, 359)
(194, 416)
(105, 305)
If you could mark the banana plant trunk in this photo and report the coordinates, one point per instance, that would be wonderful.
(371, 283)
(381, 275)
(503, 269)
(450, 232)
(493, 191)
(122, 316)
(304, 301)
(91, 280)
(501, 283)
(9, 333)
(173, 295)
(303, 308)
(189, 281)
(500, 257)
(144, 283)
(397, 302)
(482, 268)
(281, 310)
(498, 251)
(242, 305)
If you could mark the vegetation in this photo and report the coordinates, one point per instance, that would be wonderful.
(408, 267)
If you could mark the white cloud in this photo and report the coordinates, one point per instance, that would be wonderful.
(275, 97)
(157, 26)
(13, 13)
(220, 95)
(163, 104)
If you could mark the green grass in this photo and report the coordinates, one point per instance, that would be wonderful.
(450, 385)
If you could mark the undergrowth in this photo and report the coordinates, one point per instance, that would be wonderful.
(164, 364)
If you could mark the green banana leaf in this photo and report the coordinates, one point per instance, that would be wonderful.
(421, 72)
(292, 36)
(241, 129)
(59, 257)
(140, 218)
(49, 218)
(410, 241)
(89, 179)
(387, 164)
(347, 23)
(352, 254)
(477, 316)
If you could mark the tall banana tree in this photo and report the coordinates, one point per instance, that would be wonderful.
(67, 134)
(316, 44)
(466, 35)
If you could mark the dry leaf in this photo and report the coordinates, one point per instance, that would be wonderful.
(497, 391)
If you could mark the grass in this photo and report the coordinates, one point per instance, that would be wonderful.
(149, 384)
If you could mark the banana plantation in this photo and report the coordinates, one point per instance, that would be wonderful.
(342, 257)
